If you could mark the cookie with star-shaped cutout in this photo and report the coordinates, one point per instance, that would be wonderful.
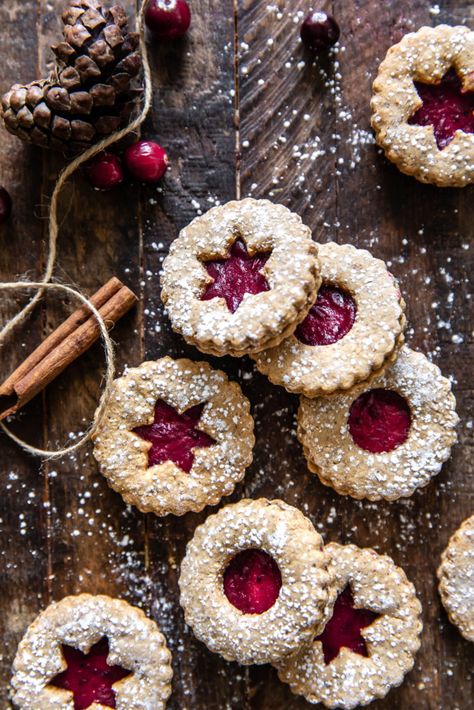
(370, 641)
(92, 652)
(240, 278)
(423, 105)
(176, 436)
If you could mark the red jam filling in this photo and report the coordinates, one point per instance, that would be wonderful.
(236, 275)
(252, 581)
(330, 319)
(379, 420)
(344, 627)
(89, 676)
(446, 107)
(174, 436)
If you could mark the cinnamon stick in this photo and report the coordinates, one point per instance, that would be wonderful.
(63, 346)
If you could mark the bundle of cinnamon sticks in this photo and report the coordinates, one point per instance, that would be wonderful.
(63, 346)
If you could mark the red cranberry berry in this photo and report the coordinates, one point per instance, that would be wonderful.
(5, 205)
(168, 19)
(105, 171)
(319, 31)
(146, 161)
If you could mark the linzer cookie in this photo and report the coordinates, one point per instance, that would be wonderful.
(255, 584)
(456, 579)
(92, 652)
(240, 278)
(352, 331)
(176, 436)
(370, 641)
(423, 105)
(383, 439)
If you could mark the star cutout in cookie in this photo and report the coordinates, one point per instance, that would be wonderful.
(344, 627)
(446, 107)
(174, 436)
(236, 275)
(89, 676)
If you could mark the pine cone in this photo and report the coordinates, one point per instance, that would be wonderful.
(91, 93)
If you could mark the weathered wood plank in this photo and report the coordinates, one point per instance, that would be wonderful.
(24, 498)
(193, 118)
(348, 193)
(298, 121)
(97, 545)
(417, 229)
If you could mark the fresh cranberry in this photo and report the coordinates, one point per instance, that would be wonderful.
(105, 171)
(379, 420)
(236, 275)
(330, 318)
(5, 205)
(446, 107)
(146, 161)
(174, 436)
(89, 676)
(168, 19)
(344, 627)
(319, 31)
(252, 581)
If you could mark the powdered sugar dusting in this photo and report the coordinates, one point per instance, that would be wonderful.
(307, 585)
(393, 639)
(339, 462)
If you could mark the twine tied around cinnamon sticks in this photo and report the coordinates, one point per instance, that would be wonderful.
(13, 400)
(45, 283)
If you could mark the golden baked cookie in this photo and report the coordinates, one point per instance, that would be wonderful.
(254, 583)
(456, 579)
(240, 278)
(92, 652)
(423, 105)
(176, 436)
(370, 641)
(352, 331)
(385, 438)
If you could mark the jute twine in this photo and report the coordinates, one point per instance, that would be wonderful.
(109, 376)
(45, 283)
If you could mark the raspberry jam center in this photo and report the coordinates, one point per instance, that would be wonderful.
(330, 318)
(344, 628)
(379, 420)
(252, 581)
(236, 275)
(89, 676)
(446, 107)
(174, 436)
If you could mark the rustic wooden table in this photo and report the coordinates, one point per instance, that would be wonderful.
(242, 110)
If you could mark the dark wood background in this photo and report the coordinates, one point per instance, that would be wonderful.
(242, 110)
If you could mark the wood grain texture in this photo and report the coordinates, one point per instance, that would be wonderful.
(301, 128)
(347, 192)
(194, 106)
(91, 533)
(23, 517)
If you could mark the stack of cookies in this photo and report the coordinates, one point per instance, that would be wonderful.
(377, 420)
